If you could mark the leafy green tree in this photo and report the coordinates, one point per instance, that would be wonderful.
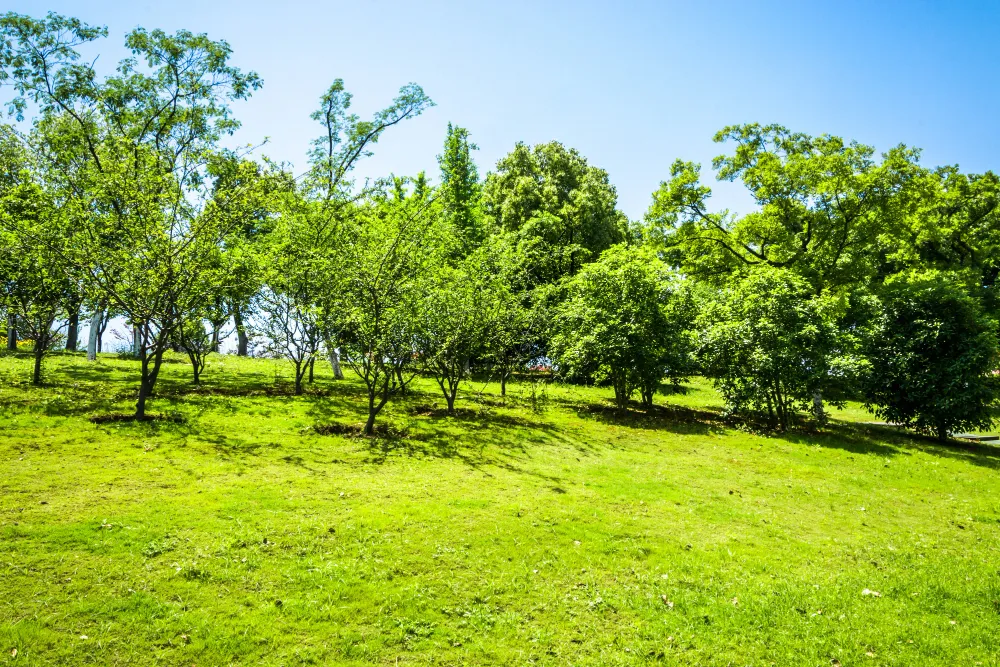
(194, 340)
(460, 312)
(460, 190)
(933, 355)
(558, 210)
(768, 344)
(389, 247)
(625, 319)
(36, 284)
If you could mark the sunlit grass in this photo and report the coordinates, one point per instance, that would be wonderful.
(544, 529)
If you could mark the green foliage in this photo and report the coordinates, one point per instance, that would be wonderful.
(460, 189)
(825, 208)
(954, 226)
(381, 271)
(558, 210)
(464, 305)
(625, 318)
(767, 343)
(933, 354)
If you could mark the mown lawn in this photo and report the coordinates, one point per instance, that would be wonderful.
(547, 529)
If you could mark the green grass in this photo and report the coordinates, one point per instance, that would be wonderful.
(547, 530)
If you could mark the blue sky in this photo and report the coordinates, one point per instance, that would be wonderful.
(631, 85)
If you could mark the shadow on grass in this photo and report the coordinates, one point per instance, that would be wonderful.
(890, 440)
(671, 418)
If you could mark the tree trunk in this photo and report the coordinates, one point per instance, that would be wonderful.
(818, 413)
(194, 367)
(147, 381)
(144, 389)
(36, 376)
(241, 333)
(94, 335)
(647, 398)
(370, 424)
(503, 384)
(338, 374)
(942, 432)
(215, 337)
(11, 333)
(73, 330)
(299, 372)
(105, 318)
(136, 341)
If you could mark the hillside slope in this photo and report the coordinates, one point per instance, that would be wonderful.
(544, 529)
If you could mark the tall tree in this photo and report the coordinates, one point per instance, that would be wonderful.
(460, 189)
(560, 211)
(389, 247)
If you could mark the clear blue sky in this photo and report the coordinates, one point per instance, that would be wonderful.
(631, 85)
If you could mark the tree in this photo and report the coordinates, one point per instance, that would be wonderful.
(460, 189)
(195, 341)
(458, 316)
(768, 343)
(625, 319)
(557, 209)
(388, 246)
(933, 354)
(329, 198)
(35, 283)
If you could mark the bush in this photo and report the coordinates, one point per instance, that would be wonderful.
(932, 353)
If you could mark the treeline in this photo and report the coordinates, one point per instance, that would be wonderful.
(856, 276)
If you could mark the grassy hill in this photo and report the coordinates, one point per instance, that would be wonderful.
(544, 529)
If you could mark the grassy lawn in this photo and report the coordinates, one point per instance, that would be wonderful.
(547, 529)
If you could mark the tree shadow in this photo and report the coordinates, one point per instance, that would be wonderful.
(891, 440)
(671, 418)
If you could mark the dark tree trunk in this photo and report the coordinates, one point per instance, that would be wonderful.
(300, 371)
(370, 424)
(147, 381)
(196, 370)
(36, 375)
(73, 330)
(373, 407)
(647, 398)
(11, 333)
(215, 337)
(105, 318)
(241, 333)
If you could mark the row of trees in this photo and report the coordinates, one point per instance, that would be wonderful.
(854, 276)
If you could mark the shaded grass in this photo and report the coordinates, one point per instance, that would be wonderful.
(540, 529)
